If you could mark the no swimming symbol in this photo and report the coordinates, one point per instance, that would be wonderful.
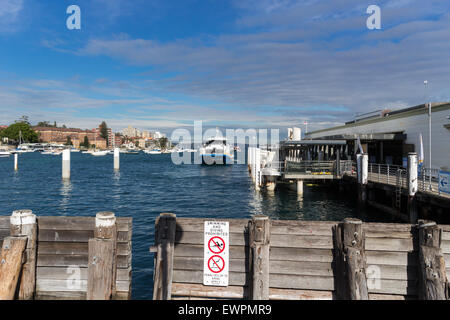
(216, 264)
(216, 245)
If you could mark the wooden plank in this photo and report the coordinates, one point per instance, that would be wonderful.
(301, 241)
(60, 295)
(391, 258)
(49, 285)
(288, 294)
(65, 273)
(196, 263)
(191, 276)
(4, 233)
(302, 268)
(76, 248)
(301, 282)
(199, 290)
(301, 254)
(60, 260)
(399, 287)
(294, 227)
(77, 223)
(375, 296)
(11, 265)
(393, 272)
(390, 244)
(75, 235)
(445, 246)
(4, 222)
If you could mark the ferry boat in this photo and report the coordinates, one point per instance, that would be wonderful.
(216, 151)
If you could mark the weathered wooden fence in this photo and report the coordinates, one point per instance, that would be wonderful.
(67, 257)
(276, 259)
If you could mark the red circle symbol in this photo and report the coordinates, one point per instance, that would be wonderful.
(216, 245)
(216, 264)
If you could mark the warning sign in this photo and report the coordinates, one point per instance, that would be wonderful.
(216, 244)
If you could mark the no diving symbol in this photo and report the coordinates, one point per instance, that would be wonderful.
(216, 264)
(216, 245)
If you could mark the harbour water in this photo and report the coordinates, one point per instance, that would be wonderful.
(148, 185)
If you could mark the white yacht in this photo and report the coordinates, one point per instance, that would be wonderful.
(153, 151)
(99, 153)
(216, 151)
(4, 153)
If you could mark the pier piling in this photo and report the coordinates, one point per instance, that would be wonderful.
(362, 163)
(259, 237)
(23, 224)
(116, 159)
(412, 186)
(165, 244)
(102, 258)
(66, 164)
(433, 279)
(10, 266)
(351, 260)
(16, 162)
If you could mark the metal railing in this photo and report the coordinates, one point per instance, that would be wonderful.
(310, 167)
(388, 174)
(428, 180)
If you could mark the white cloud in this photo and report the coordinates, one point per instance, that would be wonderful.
(9, 15)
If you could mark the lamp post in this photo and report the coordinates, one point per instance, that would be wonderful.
(429, 127)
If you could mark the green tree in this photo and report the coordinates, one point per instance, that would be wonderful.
(163, 143)
(44, 124)
(104, 132)
(69, 141)
(54, 124)
(86, 143)
(14, 130)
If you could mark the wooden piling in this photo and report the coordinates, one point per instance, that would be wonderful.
(259, 235)
(11, 259)
(433, 283)
(102, 258)
(351, 282)
(165, 243)
(23, 223)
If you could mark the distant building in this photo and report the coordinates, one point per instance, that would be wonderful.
(130, 132)
(59, 136)
(117, 141)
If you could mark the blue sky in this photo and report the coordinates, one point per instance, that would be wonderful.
(266, 63)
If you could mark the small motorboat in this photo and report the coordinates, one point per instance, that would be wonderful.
(99, 153)
(4, 153)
